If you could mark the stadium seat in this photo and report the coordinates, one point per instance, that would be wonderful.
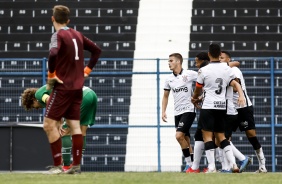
(263, 29)
(223, 28)
(245, 12)
(218, 12)
(245, 29)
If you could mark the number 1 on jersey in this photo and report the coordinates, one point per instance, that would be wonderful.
(76, 49)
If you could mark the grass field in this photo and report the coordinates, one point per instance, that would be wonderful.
(140, 178)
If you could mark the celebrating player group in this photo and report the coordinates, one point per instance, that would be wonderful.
(222, 98)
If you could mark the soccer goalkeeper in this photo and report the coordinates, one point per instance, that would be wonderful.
(34, 98)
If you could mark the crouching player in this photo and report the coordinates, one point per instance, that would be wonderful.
(36, 98)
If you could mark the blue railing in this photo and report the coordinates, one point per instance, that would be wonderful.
(272, 72)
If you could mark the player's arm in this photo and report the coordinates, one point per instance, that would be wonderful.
(42, 95)
(95, 54)
(55, 47)
(164, 105)
(241, 100)
(239, 81)
(197, 93)
(234, 63)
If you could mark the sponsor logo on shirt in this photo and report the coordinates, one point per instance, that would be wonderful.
(219, 104)
(176, 90)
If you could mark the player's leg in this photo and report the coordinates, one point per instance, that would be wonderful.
(219, 132)
(87, 113)
(230, 126)
(207, 120)
(199, 148)
(54, 112)
(53, 135)
(251, 134)
(187, 138)
(183, 128)
(73, 121)
(247, 116)
(66, 147)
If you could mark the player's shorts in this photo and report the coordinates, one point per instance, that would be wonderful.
(64, 103)
(183, 122)
(230, 121)
(212, 120)
(198, 136)
(245, 120)
(87, 109)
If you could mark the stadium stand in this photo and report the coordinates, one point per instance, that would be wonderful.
(25, 32)
(248, 28)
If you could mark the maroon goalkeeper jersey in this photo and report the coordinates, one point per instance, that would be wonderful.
(66, 57)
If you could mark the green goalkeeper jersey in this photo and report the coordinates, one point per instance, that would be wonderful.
(88, 106)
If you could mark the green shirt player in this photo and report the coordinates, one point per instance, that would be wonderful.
(34, 98)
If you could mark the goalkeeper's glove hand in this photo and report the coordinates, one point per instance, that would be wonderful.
(87, 71)
(52, 79)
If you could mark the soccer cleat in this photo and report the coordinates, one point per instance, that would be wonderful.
(186, 168)
(55, 170)
(207, 170)
(190, 170)
(261, 170)
(74, 169)
(244, 163)
(66, 167)
(225, 171)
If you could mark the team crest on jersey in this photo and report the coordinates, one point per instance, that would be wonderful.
(185, 78)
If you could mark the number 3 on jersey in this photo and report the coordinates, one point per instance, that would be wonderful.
(220, 81)
(76, 49)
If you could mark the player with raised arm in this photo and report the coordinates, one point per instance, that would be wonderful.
(245, 120)
(32, 99)
(180, 83)
(213, 79)
(66, 72)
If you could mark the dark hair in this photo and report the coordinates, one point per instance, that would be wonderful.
(178, 56)
(227, 53)
(214, 50)
(203, 56)
(61, 14)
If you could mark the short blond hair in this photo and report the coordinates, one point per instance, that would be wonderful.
(178, 56)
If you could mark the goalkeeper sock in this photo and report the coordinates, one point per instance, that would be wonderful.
(66, 149)
(77, 144)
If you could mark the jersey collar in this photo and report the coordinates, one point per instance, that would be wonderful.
(214, 62)
(175, 74)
